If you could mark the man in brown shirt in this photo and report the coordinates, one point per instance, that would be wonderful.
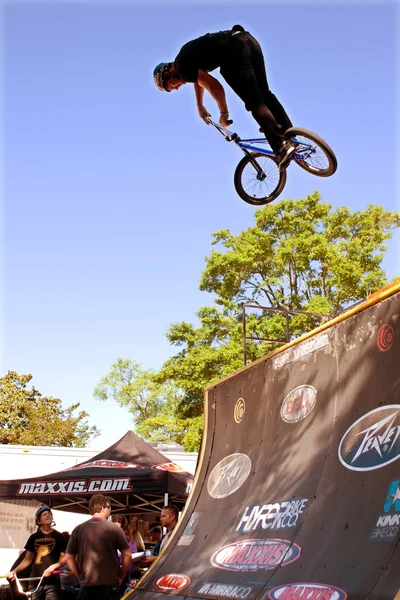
(92, 553)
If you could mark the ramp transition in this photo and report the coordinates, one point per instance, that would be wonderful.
(297, 494)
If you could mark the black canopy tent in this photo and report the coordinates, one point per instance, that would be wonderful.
(135, 476)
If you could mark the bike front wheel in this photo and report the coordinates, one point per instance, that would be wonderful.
(313, 154)
(258, 180)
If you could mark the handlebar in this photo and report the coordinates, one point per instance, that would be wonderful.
(228, 135)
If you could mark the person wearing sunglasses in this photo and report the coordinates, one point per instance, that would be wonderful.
(92, 553)
(240, 59)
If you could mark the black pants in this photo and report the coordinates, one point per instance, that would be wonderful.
(100, 592)
(244, 70)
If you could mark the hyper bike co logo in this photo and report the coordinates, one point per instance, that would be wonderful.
(256, 555)
(373, 441)
(277, 515)
(306, 591)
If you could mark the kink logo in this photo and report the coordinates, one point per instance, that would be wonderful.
(173, 582)
(387, 526)
(228, 475)
(256, 555)
(307, 591)
(280, 515)
(373, 441)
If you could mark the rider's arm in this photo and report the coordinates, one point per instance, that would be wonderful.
(213, 86)
(22, 565)
(199, 92)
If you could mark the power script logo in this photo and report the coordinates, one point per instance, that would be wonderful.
(373, 441)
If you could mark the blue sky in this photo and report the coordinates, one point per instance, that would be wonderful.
(112, 189)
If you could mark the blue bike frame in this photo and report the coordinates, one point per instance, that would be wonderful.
(302, 152)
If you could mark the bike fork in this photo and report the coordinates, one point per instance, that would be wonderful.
(261, 175)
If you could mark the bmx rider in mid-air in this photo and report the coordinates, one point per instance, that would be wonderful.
(240, 59)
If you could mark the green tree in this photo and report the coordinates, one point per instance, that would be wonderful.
(157, 409)
(29, 418)
(300, 255)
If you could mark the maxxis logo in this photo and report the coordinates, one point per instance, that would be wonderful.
(83, 486)
(306, 591)
(373, 441)
(256, 555)
(173, 582)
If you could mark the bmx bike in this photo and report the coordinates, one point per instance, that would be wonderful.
(258, 179)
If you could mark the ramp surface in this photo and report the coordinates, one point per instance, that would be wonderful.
(297, 494)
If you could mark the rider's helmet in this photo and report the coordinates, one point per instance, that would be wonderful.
(158, 75)
(40, 510)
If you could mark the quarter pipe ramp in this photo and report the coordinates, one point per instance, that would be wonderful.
(297, 492)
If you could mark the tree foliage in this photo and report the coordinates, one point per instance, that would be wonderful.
(29, 418)
(300, 255)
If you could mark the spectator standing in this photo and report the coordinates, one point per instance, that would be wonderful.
(168, 519)
(92, 553)
(136, 544)
(47, 546)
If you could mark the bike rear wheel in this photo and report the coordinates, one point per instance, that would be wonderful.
(313, 154)
(258, 186)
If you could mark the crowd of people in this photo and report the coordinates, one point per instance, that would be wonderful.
(101, 559)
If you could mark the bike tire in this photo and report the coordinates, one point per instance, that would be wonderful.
(276, 180)
(322, 162)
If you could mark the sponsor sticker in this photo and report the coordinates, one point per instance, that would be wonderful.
(228, 475)
(174, 582)
(105, 464)
(373, 441)
(74, 487)
(256, 555)
(387, 526)
(306, 591)
(240, 409)
(187, 537)
(299, 403)
(277, 515)
(210, 589)
(169, 466)
(385, 337)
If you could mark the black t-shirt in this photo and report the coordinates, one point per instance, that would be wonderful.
(206, 52)
(46, 548)
(95, 542)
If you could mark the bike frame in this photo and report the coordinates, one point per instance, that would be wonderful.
(247, 146)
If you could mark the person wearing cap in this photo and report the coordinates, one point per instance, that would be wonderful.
(240, 59)
(46, 548)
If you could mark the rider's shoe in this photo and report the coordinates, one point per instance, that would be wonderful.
(284, 155)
